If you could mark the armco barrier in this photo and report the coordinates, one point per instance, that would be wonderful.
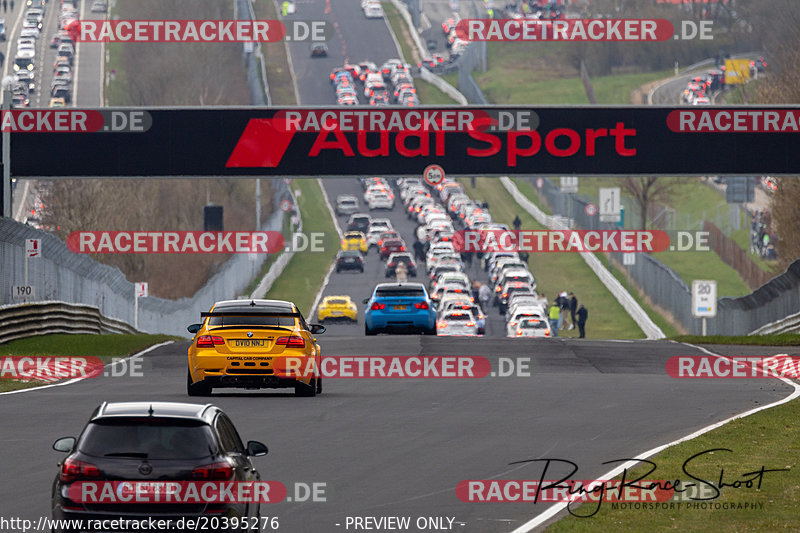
(43, 318)
(790, 324)
(425, 74)
(276, 269)
(650, 329)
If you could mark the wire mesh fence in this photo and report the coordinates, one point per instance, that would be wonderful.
(776, 299)
(59, 274)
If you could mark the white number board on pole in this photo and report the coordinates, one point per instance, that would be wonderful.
(704, 298)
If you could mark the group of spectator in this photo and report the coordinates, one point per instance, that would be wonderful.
(567, 306)
(761, 241)
(543, 9)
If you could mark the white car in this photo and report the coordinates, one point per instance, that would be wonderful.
(380, 201)
(373, 236)
(29, 33)
(383, 224)
(373, 10)
(451, 278)
(520, 314)
(532, 327)
(457, 322)
(346, 204)
(439, 249)
(99, 6)
(519, 301)
(26, 42)
(434, 225)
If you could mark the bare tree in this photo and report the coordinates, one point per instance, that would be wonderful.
(647, 191)
(784, 217)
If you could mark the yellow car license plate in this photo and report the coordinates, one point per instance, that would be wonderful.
(400, 307)
(249, 343)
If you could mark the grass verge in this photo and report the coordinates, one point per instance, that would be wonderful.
(659, 320)
(400, 31)
(705, 265)
(768, 438)
(555, 272)
(279, 77)
(304, 274)
(428, 93)
(287, 235)
(690, 199)
(530, 192)
(514, 86)
(783, 339)
(63, 344)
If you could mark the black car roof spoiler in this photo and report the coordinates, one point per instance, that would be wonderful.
(249, 313)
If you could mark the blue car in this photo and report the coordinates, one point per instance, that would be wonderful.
(399, 307)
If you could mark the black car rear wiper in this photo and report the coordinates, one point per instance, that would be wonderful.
(142, 455)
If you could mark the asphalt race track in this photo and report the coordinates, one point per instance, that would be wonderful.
(399, 447)
(394, 447)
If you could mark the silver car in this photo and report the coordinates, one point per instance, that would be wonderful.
(346, 204)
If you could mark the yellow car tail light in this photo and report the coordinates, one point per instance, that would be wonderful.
(208, 341)
(291, 342)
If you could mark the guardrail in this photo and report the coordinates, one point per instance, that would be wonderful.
(790, 324)
(277, 268)
(682, 72)
(428, 76)
(443, 86)
(631, 306)
(43, 318)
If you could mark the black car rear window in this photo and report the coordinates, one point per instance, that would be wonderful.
(148, 438)
(283, 321)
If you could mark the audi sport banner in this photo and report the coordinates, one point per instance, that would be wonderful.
(484, 141)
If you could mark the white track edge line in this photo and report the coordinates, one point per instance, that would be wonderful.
(557, 508)
(75, 380)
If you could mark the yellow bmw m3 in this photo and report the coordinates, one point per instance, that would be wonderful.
(254, 344)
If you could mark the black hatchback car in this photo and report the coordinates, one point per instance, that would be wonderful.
(146, 442)
(359, 222)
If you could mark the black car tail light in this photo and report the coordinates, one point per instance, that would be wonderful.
(213, 472)
(72, 470)
(291, 342)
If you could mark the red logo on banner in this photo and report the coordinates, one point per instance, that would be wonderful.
(262, 144)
